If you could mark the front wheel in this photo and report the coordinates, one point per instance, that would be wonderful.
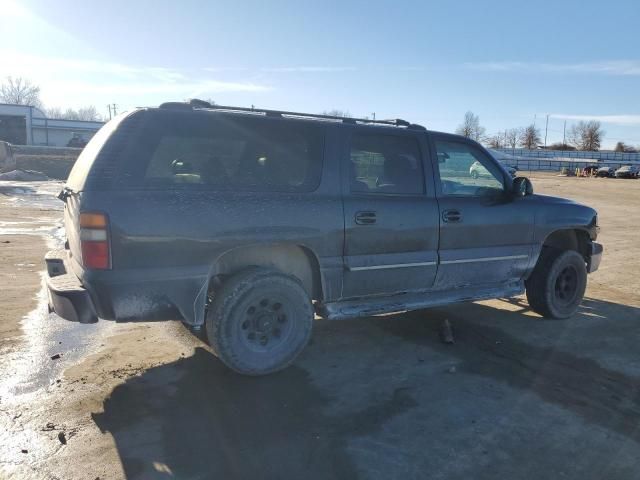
(556, 286)
(259, 321)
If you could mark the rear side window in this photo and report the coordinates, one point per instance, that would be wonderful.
(386, 164)
(229, 152)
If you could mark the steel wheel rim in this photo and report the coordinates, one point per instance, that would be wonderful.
(566, 285)
(266, 323)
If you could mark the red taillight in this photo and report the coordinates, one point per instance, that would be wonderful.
(94, 239)
(95, 254)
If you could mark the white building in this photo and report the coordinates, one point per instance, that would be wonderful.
(24, 125)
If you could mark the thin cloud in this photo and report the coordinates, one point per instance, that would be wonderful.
(623, 120)
(225, 69)
(612, 67)
(316, 69)
(307, 69)
(110, 77)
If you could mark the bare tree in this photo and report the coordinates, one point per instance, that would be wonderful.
(336, 113)
(54, 112)
(495, 141)
(19, 91)
(586, 135)
(530, 137)
(511, 137)
(624, 148)
(88, 113)
(471, 127)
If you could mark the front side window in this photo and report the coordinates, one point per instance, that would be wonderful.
(385, 164)
(465, 170)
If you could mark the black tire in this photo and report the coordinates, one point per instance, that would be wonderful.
(259, 321)
(557, 284)
(474, 174)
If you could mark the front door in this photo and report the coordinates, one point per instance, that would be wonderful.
(486, 235)
(391, 213)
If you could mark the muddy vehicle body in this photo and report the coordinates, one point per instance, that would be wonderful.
(251, 221)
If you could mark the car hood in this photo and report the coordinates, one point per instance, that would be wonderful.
(564, 210)
(550, 200)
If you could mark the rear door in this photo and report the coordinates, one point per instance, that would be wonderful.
(391, 214)
(486, 234)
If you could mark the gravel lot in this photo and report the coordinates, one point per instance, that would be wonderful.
(516, 396)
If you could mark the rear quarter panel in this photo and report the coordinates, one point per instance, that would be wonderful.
(164, 244)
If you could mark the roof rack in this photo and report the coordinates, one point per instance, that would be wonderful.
(197, 104)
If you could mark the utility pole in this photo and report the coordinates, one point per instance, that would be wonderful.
(374, 115)
(564, 136)
(114, 110)
(109, 107)
(546, 128)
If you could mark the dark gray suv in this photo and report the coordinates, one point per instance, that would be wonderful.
(250, 221)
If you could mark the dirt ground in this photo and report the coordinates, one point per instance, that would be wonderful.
(516, 396)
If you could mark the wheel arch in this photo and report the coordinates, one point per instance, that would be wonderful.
(569, 239)
(293, 259)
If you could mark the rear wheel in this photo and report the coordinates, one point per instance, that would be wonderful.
(556, 286)
(259, 321)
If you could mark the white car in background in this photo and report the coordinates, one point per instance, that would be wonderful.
(477, 170)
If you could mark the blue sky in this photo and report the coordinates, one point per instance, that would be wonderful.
(428, 62)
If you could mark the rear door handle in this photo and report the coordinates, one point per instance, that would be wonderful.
(365, 218)
(452, 216)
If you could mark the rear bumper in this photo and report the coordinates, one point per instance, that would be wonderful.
(67, 297)
(593, 262)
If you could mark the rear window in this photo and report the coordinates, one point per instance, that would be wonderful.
(226, 152)
(82, 166)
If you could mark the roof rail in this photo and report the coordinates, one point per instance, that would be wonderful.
(197, 104)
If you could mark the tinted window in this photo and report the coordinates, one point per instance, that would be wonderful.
(386, 164)
(230, 153)
(465, 170)
(85, 162)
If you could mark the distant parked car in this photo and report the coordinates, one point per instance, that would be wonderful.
(606, 172)
(589, 170)
(77, 141)
(628, 171)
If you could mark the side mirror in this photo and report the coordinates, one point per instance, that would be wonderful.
(521, 187)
